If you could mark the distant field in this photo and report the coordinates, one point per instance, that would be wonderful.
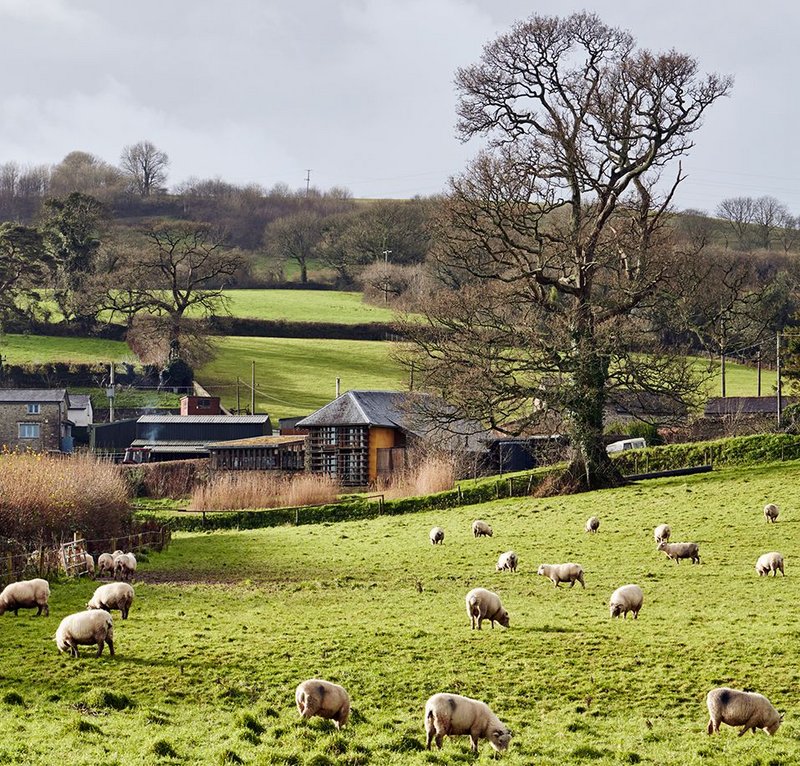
(40, 349)
(225, 625)
(297, 376)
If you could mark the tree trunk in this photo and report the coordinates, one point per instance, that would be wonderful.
(303, 272)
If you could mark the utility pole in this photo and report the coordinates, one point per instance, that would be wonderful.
(386, 254)
(238, 403)
(253, 388)
(308, 181)
(338, 384)
(758, 363)
(411, 377)
(723, 374)
(111, 392)
(778, 372)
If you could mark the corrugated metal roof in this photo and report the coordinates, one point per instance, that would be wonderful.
(170, 446)
(25, 395)
(203, 419)
(257, 441)
(746, 405)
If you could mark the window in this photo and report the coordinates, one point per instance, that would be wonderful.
(33, 409)
(29, 430)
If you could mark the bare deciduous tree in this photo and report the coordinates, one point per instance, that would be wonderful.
(555, 235)
(145, 165)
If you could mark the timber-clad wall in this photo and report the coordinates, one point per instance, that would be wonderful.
(341, 452)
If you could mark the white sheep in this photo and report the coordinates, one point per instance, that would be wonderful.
(481, 529)
(508, 561)
(26, 594)
(453, 715)
(592, 524)
(113, 595)
(771, 512)
(770, 562)
(436, 536)
(661, 533)
(124, 566)
(483, 605)
(89, 559)
(323, 698)
(559, 573)
(678, 551)
(628, 598)
(105, 564)
(83, 629)
(746, 709)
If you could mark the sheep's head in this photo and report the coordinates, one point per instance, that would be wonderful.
(542, 570)
(503, 618)
(773, 727)
(616, 610)
(499, 739)
(662, 545)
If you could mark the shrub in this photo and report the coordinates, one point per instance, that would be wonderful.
(46, 498)
(233, 491)
(171, 478)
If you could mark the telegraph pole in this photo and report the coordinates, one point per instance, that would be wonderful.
(253, 388)
(308, 180)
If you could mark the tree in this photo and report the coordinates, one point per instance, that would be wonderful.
(738, 213)
(295, 238)
(553, 242)
(146, 167)
(23, 267)
(768, 217)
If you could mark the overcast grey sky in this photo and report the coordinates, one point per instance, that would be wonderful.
(359, 91)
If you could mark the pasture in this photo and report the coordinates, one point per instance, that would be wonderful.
(226, 624)
(43, 349)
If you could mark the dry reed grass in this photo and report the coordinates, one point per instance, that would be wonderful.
(424, 475)
(234, 491)
(44, 499)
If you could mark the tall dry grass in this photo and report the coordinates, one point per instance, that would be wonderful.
(424, 474)
(44, 499)
(233, 491)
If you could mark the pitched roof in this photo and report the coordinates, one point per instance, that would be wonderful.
(203, 419)
(79, 401)
(257, 441)
(419, 414)
(24, 395)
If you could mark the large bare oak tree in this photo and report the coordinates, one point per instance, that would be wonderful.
(553, 244)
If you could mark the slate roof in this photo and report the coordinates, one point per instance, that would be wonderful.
(746, 405)
(420, 414)
(79, 401)
(172, 446)
(25, 395)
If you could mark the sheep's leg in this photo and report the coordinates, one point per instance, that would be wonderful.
(99, 648)
(430, 736)
(710, 727)
(473, 741)
(110, 643)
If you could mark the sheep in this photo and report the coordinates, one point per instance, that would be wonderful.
(628, 598)
(678, 551)
(89, 559)
(559, 573)
(746, 709)
(113, 595)
(105, 564)
(453, 715)
(771, 512)
(662, 533)
(483, 605)
(436, 535)
(124, 566)
(26, 594)
(592, 524)
(507, 560)
(323, 698)
(481, 529)
(86, 628)
(770, 562)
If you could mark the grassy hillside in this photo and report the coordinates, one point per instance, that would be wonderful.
(297, 376)
(225, 625)
(41, 349)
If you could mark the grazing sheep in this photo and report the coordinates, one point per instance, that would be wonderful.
(592, 524)
(746, 709)
(507, 560)
(662, 533)
(86, 628)
(481, 529)
(105, 564)
(113, 595)
(678, 551)
(770, 562)
(771, 512)
(26, 594)
(628, 598)
(452, 715)
(483, 605)
(322, 698)
(436, 535)
(89, 564)
(124, 566)
(559, 573)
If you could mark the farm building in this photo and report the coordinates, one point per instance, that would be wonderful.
(625, 406)
(81, 415)
(35, 419)
(176, 437)
(746, 406)
(259, 453)
(362, 436)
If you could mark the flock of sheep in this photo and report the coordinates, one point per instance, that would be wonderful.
(445, 714)
(88, 628)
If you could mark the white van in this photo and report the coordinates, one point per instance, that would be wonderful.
(620, 446)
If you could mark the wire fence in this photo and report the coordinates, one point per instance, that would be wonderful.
(18, 562)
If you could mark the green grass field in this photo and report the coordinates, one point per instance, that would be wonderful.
(226, 624)
(296, 376)
(41, 349)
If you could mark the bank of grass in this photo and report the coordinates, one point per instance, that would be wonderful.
(225, 625)
(43, 349)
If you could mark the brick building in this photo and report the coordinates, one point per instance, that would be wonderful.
(35, 419)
